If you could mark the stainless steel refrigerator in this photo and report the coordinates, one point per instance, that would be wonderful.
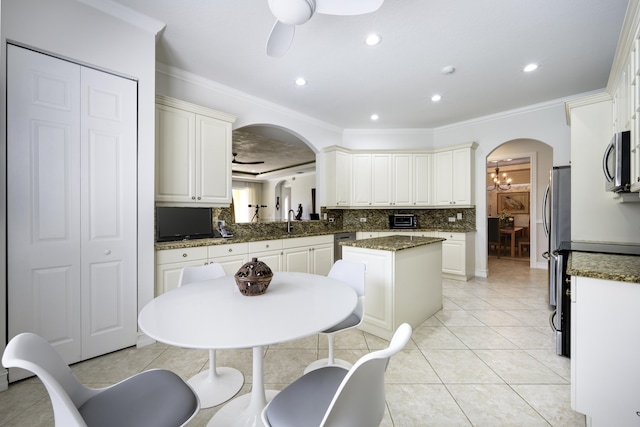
(557, 225)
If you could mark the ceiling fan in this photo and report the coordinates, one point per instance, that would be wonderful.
(290, 13)
(238, 162)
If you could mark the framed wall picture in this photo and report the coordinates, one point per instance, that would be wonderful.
(514, 203)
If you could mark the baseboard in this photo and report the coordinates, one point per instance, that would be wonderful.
(144, 340)
(4, 379)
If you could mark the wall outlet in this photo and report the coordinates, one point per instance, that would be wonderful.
(452, 219)
(331, 219)
(363, 219)
(459, 215)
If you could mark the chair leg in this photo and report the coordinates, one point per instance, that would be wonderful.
(332, 342)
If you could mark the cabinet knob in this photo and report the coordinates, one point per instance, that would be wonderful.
(107, 252)
(184, 255)
(199, 198)
(267, 246)
(193, 197)
(230, 250)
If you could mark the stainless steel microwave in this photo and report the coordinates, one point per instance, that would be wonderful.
(403, 221)
(616, 163)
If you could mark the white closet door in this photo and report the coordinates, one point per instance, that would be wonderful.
(43, 199)
(108, 200)
(72, 205)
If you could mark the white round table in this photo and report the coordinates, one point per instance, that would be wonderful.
(213, 314)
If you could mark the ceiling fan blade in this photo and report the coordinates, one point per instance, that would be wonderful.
(280, 39)
(238, 162)
(347, 7)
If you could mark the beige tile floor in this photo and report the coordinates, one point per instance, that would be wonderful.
(486, 359)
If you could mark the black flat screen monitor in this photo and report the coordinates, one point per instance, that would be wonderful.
(174, 223)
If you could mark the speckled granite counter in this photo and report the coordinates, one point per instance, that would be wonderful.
(621, 268)
(392, 243)
(180, 244)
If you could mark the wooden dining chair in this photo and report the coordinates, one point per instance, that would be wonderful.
(524, 241)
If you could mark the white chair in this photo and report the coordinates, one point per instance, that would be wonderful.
(217, 384)
(333, 396)
(354, 275)
(152, 398)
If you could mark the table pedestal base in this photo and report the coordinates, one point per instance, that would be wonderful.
(239, 413)
(212, 390)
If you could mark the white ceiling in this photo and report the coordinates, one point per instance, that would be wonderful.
(487, 41)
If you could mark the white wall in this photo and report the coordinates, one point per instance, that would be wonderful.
(301, 185)
(595, 215)
(81, 33)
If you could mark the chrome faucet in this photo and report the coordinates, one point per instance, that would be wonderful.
(289, 225)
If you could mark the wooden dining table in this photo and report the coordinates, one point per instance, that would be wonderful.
(513, 232)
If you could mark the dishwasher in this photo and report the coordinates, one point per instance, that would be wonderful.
(341, 237)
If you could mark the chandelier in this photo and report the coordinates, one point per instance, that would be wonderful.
(500, 183)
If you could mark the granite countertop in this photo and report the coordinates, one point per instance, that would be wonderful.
(181, 244)
(621, 268)
(392, 243)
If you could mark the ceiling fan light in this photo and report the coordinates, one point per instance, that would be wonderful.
(292, 12)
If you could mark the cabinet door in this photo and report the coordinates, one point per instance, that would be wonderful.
(231, 263)
(322, 259)
(343, 179)
(422, 179)
(443, 171)
(213, 167)
(461, 177)
(362, 186)
(402, 180)
(298, 260)
(175, 155)
(453, 259)
(273, 259)
(381, 170)
(605, 326)
(168, 275)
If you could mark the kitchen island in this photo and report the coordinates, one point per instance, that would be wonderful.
(404, 280)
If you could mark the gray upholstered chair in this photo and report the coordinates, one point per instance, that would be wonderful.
(354, 275)
(152, 398)
(333, 396)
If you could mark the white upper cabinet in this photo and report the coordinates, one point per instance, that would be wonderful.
(422, 179)
(399, 179)
(193, 154)
(453, 172)
(362, 185)
(338, 177)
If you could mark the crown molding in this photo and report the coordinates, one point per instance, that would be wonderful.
(584, 101)
(628, 34)
(128, 15)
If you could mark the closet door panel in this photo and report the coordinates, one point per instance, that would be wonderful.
(43, 164)
(108, 210)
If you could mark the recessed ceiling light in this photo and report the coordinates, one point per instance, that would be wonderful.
(531, 67)
(449, 69)
(436, 98)
(301, 82)
(373, 40)
(375, 117)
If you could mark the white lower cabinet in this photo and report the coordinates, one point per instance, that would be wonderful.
(605, 351)
(170, 262)
(269, 252)
(308, 254)
(231, 256)
(458, 260)
(302, 254)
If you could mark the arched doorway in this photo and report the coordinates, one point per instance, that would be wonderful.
(522, 201)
